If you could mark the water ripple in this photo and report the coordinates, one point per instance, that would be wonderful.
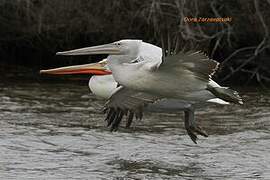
(56, 131)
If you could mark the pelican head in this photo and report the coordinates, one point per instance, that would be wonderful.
(99, 68)
(123, 47)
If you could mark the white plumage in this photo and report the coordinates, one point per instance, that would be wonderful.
(102, 86)
(145, 77)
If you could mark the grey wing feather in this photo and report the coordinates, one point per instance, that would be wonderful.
(195, 61)
(126, 102)
(125, 98)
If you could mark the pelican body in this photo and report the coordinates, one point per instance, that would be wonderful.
(103, 85)
(141, 76)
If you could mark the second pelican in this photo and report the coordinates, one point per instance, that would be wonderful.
(146, 79)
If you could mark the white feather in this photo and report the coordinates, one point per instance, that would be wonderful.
(102, 86)
(217, 101)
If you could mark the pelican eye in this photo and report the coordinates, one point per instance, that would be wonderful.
(118, 44)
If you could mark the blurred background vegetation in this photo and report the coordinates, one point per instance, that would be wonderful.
(31, 31)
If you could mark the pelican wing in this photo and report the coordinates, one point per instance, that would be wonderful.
(126, 102)
(196, 62)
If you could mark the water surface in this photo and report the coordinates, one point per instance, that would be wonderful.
(56, 131)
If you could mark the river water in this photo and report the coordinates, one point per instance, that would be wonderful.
(56, 131)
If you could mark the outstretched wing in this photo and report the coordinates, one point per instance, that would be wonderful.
(199, 64)
(126, 102)
(191, 67)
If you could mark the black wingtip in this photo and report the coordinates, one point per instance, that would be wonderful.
(115, 116)
(117, 120)
(129, 119)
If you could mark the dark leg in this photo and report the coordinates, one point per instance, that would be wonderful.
(190, 125)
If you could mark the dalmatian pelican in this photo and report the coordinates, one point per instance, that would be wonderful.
(144, 79)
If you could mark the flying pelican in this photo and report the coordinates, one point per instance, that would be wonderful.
(103, 86)
(146, 79)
